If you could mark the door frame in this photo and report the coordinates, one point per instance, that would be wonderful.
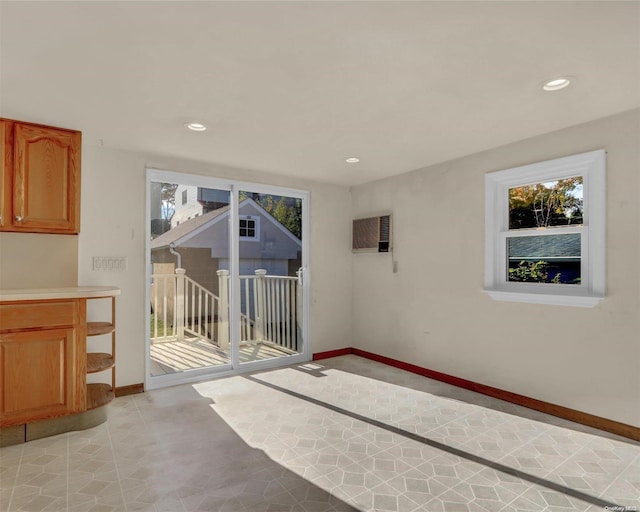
(233, 367)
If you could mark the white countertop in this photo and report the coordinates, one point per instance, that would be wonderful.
(73, 292)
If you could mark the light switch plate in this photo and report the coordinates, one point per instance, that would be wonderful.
(110, 263)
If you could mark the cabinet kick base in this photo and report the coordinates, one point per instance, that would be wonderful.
(46, 428)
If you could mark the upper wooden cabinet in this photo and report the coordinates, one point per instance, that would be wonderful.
(40, 182)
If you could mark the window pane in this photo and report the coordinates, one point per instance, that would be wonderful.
(186, 330)
(544, 259)
(555, 203)
(270, 306)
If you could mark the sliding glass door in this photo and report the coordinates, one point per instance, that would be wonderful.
(270, 276)
(226, 277)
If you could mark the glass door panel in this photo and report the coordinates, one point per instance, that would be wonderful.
(189, 285)
(270, 276)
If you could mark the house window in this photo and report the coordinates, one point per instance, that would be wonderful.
(249, 228)
(184, 197)
(544, 231)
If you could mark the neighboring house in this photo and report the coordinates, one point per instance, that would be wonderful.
(203, 244)
(562, 253)
(191, 202)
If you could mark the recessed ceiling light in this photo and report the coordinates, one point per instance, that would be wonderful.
(352, 160)
(196, 127)
(556, 84)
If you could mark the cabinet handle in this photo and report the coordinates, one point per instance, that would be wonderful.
(19, 218)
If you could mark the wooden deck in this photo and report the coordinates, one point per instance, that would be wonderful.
(189, 354)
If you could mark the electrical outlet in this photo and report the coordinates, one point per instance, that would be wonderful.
(110, 263)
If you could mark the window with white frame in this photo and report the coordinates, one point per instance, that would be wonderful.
(545, 231)
(249, 227)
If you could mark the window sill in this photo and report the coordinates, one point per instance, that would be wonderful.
(580, 301)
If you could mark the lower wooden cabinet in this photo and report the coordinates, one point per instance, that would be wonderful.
(42, 375)
(43, 360)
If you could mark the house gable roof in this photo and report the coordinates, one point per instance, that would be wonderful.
(188, 229)
(247, 203)
(192, 227)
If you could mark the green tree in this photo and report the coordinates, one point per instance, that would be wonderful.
(546, 204)
(532, 272)
(168, 199)
(289, 216)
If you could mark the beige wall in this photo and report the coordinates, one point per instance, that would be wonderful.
(113, 224)
(433, 312)
(30, 260)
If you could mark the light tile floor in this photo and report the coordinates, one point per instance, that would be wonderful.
(342, 434)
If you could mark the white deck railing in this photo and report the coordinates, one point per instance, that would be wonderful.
(181, 305)
(200, 307)
(270, 309)
(163, 311)
(273, 303)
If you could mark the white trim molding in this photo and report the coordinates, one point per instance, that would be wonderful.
(590, 291)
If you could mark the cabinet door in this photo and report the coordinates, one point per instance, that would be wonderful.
(42, 375)
(46, 179)
(6, 157)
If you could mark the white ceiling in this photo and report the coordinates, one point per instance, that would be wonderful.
(297, 87)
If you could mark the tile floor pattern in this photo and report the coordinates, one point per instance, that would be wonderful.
(343, 434)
